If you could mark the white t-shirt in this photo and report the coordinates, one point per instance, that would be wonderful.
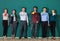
(23, 16)
(5, 17)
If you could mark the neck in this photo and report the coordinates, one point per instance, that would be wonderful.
(53, 13)
(5, 13)
(23, 11)
(44, 11)
(35, 11)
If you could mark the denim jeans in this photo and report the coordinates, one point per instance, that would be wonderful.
(34, 29)
(23, 29)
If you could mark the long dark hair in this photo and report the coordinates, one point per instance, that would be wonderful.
(14, 10)
(6, 9)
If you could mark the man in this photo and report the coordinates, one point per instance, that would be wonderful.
(45, 22)
(35, 21)
(23, 22)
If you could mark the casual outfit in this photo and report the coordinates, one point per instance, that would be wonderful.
(13, 24)
(52, 24)
(45, 22)
(5, 24)
(23, 24)
(34, 28)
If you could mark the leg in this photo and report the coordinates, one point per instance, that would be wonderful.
(44, 29)
(21, 29)
(14, 29)
(52, 28)
(25, 30)
(32, 29)
(5, 28)
(5, 25)
(36, 26)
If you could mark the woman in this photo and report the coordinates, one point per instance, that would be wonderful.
(45, 22)
(35, 22)
(53, 23)
(13, 23)
(5, 23)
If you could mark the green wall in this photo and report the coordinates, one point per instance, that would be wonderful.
(18, 4)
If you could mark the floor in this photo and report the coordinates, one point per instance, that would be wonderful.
(30, 39)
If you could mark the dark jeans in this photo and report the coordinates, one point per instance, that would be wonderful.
(44, 28)
(14, 28)
(52, 28)
(23, 29)
(34, 30)
(5, 27)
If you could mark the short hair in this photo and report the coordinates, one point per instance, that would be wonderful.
(44, 7)
(35, 7)
(24, 7)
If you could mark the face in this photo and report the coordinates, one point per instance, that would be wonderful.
(35, 9)
(53, 11)
(23, 9)
(14, 12)
(44, 9)
(5, 11)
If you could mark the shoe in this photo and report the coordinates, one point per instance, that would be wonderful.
(53, 38)
(13, 37)
(19, 37)
(25, 37)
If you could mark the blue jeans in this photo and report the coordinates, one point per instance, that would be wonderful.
(34, 29)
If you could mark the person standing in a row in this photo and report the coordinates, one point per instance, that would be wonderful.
(35, 21)
(5, 23)
(45, 22)
(53, 23)
(14, 21)
(23, 23)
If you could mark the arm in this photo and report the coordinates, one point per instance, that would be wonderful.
(19, 15)
(48, 20)
(27, 20)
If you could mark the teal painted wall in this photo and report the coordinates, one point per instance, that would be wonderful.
(18, 4)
